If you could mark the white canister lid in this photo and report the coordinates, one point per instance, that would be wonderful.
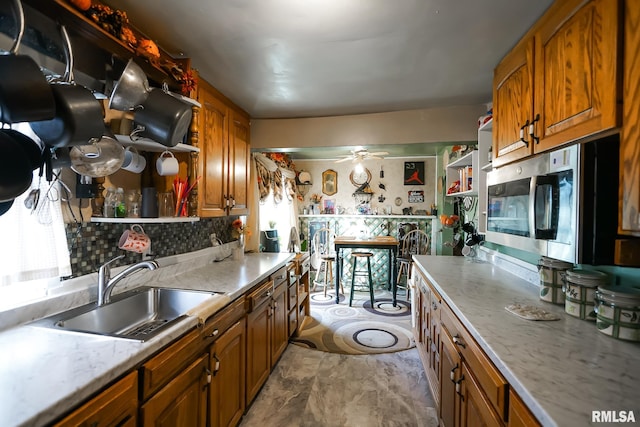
(624, 296)
(555, 263)
(588, 278)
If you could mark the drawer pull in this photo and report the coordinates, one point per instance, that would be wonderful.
(458, 341)
(214, 333)
(434, 305)
(453, 373)
(208, 372)
(217, 365)
(458, 387)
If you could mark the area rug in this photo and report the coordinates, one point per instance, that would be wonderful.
(359, 329)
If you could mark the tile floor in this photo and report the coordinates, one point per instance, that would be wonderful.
(310, 388)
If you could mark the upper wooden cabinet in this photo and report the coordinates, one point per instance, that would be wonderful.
(224, 140)
(573, 55)
(513, 104)
(629, 221)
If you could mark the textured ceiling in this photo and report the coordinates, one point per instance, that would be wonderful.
(294, 58)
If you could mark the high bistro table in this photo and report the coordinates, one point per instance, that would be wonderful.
(389, 243)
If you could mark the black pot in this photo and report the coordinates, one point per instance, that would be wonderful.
(79, 117)
(25, 95)
(16, 172)
(31, 148)
(5, 206)
(162, 118)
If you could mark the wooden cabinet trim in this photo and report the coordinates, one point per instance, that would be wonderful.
(194, 375)
(223, 320)
(159, 370)
(260, 295)
(115, 405)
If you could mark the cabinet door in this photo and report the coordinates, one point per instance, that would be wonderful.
(519, 414)
(116, 406)
(280, 337)
(213, 159)
(629, 221)
(182, 402)
(450, 376)
(227, 390)
(576, 71)
(435, 336)
(475, 409)
(258, 348)
(513, 104)
(239, 146)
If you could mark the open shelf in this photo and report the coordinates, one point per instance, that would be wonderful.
(145, 144)
(147, 220)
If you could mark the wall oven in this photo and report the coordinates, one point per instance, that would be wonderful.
(533, 205)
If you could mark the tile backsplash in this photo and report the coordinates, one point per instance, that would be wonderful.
(91, 244)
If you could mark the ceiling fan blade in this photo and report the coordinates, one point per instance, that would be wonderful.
(343, 160)
(379, 153)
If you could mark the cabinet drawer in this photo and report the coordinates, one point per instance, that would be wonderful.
(489, 379)
(262, 294)
(168, 363)
(279, 276)
(293, 295)
(223, 320)
(305, 266)
(116, 405)
(293, 321)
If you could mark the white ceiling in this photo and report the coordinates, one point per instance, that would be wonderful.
(309, 58)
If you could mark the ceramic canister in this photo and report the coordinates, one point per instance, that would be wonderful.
(580, 292)
(551, 278)
(618, 311)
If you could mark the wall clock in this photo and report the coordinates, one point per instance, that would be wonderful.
(358, 178)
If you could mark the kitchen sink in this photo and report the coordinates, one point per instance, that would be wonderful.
(139, 315)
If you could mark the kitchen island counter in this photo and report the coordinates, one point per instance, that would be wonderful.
(563, 370)
(46, 372)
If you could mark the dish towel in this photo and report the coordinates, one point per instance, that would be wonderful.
(208, 308)
(530, 312)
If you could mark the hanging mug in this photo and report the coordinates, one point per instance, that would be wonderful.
(167, 164)
(133, 161)
(135, 240)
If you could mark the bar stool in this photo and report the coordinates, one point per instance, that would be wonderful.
(322, 245)
(365, 273)
(415, 242)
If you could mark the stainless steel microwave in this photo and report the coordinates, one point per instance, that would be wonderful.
(532, 205)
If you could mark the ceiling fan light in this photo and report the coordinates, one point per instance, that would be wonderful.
(359, 168)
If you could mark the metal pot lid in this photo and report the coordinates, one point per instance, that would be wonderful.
(101, 158)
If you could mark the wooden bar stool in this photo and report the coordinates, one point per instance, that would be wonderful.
(359, 272)
(323, 250)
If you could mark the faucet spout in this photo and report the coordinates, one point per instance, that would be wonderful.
(106, 283)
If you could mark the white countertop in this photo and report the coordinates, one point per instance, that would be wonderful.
(44, 373)
(561, 369)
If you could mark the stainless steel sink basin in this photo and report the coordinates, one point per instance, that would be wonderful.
(140, 314)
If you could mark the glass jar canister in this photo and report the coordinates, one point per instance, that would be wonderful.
(119, 206)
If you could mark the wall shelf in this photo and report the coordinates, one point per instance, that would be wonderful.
(467, 162)
(160, 220)
(145, 144)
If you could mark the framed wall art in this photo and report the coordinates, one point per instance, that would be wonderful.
(413, 173)
(329, 182)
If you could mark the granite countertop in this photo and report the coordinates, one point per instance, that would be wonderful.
(561, 369)
(45, 372)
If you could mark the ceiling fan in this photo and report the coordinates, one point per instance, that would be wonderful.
(361, 154)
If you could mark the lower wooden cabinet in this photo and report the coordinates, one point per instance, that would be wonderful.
(115, 406)
(475, 408)
(450, 377)
(227, 388)
(466, 386)
(182, 402)
(519, 414)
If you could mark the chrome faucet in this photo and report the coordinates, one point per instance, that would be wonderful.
(106, 283)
